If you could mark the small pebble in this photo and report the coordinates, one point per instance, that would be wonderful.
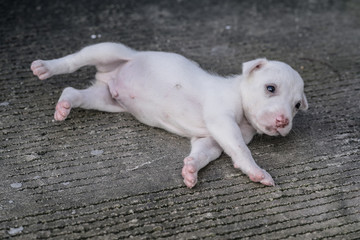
(93, 36)
(4, 104)
(97, 152)
(16, 185)
(14, 231)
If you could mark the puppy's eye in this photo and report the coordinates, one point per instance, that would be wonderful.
(297, 106)
(270, 88)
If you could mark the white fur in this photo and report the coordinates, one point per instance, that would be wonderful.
(168, 91)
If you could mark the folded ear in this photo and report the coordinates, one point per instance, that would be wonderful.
(251, 66)
(304, 104)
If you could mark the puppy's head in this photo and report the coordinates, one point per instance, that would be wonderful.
(272, 93)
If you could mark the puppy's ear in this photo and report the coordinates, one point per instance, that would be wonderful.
(251, 66)
(304, 104)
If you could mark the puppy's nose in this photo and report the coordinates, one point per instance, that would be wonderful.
(281, 121)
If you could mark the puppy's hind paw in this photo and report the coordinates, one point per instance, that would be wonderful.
(189, 172)
(62, 110)
(41, 69)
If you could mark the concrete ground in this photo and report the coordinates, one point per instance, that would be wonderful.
(106, 176)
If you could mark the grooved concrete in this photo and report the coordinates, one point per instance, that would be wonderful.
(106, 176)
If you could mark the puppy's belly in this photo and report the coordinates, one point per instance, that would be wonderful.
(183, 127)
(175, 112)
(168, 115)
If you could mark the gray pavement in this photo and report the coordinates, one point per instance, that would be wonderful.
(106, 176)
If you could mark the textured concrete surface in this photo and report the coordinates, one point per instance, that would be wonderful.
(106, 176)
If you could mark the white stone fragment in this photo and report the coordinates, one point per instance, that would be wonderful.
(14, 231)
(4, 104)
(16, 185)
(97, 152)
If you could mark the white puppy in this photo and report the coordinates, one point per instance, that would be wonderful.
(168, 91)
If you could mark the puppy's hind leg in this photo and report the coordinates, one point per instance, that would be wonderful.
(203, 151)
(96, 97)
(105, 56)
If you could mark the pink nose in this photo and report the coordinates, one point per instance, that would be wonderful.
(281, 121)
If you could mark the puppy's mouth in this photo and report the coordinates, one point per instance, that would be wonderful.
(275, 131)
(268, 130)
(271, 130)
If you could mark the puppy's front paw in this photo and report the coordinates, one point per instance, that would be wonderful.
(189, 172)
(41, 69)
(62, 110)
(262, 176)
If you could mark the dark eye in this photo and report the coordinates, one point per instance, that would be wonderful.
(297, 106)
(270, 88)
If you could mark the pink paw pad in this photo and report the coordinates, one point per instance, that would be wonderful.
(62, 110)
(189, 172)
(257, 177)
